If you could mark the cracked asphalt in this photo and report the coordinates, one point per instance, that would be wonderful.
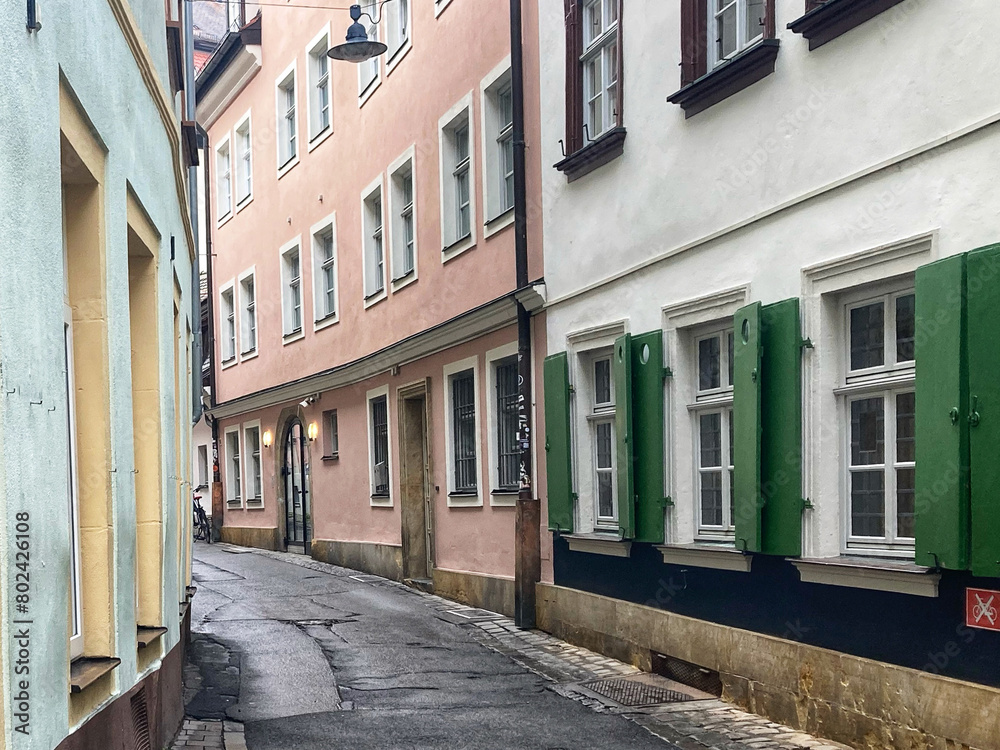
(312, 660)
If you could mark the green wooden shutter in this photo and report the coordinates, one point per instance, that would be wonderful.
(983, 284)
(558, 460)
(647, 426)
(621, 365)
(747, 427)
(780, 384)
(942, 449)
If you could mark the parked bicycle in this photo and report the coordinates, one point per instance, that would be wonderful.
(202, 526)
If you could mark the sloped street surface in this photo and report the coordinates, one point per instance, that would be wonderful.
(291, 653)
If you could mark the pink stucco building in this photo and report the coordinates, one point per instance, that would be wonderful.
(362, 284)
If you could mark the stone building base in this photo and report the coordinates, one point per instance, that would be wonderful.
(251, 536)
(384, 560)
(860, 702)
(476, 590)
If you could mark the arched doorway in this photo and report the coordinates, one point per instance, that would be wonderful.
(295, 474)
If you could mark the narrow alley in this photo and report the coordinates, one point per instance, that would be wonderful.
(291, 653)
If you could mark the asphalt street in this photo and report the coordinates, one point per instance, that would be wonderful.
(310, 660)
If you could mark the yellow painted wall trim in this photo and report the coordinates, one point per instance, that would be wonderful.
(144, 61)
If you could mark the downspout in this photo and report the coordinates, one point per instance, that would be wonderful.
(527, 560)
(189, 106)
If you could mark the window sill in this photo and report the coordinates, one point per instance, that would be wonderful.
(381, 501)
(599, 544)
(439, 6)
(244, 202)
(836, 17)
(727, 79)
(224, 219)
(234, 505)
(290, 338)
(458, 247)
(148, 636)
(320, 137)
(366, 93)
(503, 498)
(465, 500)
(594, 155)
(373, 299)
(900, 577)
(498, 223)
(397, 55)
(226, 363)
(244, 356)
(255, 503)
(287, 166)
(715, 556)
(331, 457)
(329, 320)
(85, 671)
(401, 282)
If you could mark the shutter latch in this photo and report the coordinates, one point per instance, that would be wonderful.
(667, 373)
(807, 504)
(974, 414)
(806, 343)
(668, 502)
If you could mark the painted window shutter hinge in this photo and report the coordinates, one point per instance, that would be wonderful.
(547, 445)
(807, 504)
(572, 389)
(574, 496)
(806, 344)
(667, 373)
(668, 502)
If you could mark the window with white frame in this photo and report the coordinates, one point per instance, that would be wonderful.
(374, 247)
(324, 274)
(319, 88)
(202, 466)
(404, 237)
(287, 124)
(713, 430)
(224, 179)
(227, 315)
(234, 489)
(498, 121)
(244, 164)
(508, 453)
(291, 275)
(379, 428)
(248, 314)
(600, 66)
(397, 23)
(879, 401)
(462, 388)
(601, 419)
(331, 434)
(733, 25)
(368, 71)
(456, 183)
(254, 479)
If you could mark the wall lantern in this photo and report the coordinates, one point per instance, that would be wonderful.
(313, 431)
(268, 438)
(358, 48)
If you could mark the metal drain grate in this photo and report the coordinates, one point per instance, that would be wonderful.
(472, 613)
(686, 673)
(635, 693)
(140, 721)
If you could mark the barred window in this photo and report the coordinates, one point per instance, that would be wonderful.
(508, 454)
(380, 446)
(463, 404)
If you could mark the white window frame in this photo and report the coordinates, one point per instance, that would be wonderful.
(204, 467)
(743, 40)
(255, 502)
(396, 208)
(374, 294)
(599, 414)
(599, 47)
(321, 317)
(887, 381)
(712, 401)
(368, 84)
(281, 110)
(398, 31)
(460, 114)
(288, 331)
(331, 434)
(228, 346)
(374, 393)
(224, 180)
(76, 583)
(498, 496)
(248, 316)
(244, 163)
(234, 500)
(315, 52)
(496, 217)
(449, 370)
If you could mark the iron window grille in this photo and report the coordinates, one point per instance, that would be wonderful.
(463, 404)
(508, 453)
(380, 446)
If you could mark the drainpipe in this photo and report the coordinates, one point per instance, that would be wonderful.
(189, 108)
(527, 545)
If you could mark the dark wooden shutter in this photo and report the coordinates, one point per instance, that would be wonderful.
(983, 284)
(781, 430)
(574, 76)
(558, 459)
(621, 366)
(694, 40)
(942, 449)
(647, 426)
(747, 427)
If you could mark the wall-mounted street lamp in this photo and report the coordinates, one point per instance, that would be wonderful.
(268, 438)
(312, 431)
(358, 48)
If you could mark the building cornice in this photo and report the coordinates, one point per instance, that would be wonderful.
(144, 61)
(485, 319)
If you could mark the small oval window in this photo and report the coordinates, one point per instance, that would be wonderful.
(746, 331)
(644, 354)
